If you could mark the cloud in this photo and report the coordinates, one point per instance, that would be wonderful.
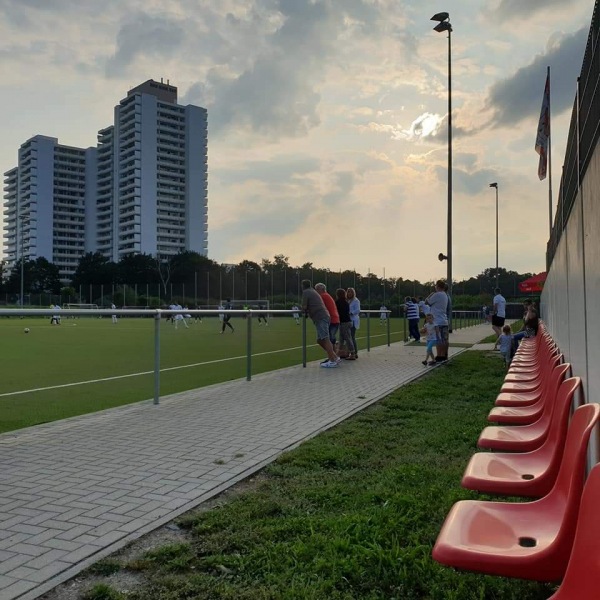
(470, 183)
(520, 97)
(514, 9)
(158, 36)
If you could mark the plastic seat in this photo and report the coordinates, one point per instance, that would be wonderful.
(524, 438)
(533, 384)
(530, 372)
(530, 540)
(521, 474)
(525, 415)
(581, 578)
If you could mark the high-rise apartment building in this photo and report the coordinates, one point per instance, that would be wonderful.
(143, 188)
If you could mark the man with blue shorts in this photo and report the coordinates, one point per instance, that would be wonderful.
(314, 307)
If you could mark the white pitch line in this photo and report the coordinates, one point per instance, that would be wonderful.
(141, 373)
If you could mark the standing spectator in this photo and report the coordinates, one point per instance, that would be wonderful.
(227, 317)
(354, 303)
(334, 317)
(506, 344)
(438, 301)
(412, 315)
(383, 314)
(296, 314)
(314, 307)
(341, 303)
(498, 314)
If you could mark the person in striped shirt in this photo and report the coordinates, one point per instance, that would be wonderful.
(412, 314)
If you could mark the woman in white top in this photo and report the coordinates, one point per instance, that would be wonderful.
(354, 303)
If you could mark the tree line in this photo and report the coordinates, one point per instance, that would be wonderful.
(143, 279)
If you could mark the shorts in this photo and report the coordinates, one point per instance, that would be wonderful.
(507, 356)
(322, 326)
(498, 321)
(430, 345)
(443, 335)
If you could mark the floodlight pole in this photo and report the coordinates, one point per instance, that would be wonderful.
(495, 185)
(443, 19)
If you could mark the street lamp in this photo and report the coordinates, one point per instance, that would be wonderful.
(23, 219)
(495, 185)
(443, 19)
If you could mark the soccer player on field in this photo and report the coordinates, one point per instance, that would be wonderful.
(227, 317)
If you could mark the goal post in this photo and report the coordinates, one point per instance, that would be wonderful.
(79, 306)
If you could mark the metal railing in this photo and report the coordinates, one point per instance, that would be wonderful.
(158, 314)
(460, 320)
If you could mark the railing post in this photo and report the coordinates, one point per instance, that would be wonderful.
(157, 318)
(369, 330)
(303, 341)
(388, 328)
(249, 345)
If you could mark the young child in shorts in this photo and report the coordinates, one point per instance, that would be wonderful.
(505, 341)
(432, 333)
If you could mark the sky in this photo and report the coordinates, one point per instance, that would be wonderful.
(327, 118)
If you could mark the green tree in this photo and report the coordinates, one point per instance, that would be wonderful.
(94, 269)
(137, 269)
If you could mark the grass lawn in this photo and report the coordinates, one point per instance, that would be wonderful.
(349, 515)
(88, 349)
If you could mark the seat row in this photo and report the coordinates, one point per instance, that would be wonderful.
(538, 450)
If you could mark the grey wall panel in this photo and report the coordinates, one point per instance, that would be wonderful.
(575, 293)
(591, 231)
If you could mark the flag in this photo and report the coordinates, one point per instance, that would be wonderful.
(543, 132)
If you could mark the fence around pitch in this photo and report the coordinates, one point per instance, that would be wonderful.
(460, 319)
(157, 314)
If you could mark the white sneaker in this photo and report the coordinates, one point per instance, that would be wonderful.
(329, 365)
(338, 360)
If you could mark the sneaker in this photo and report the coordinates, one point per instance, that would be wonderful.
(424, 363)
(338, 360)
(324, 361)
(329, 364)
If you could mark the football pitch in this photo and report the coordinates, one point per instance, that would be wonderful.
(88, 364)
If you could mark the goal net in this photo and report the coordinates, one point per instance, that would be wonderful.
(79, 306)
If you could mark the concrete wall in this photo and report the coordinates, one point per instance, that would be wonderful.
(570, 301)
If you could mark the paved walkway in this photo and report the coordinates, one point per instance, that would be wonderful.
(74, 491)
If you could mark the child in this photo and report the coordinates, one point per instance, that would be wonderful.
(505, 341)
(432, 333)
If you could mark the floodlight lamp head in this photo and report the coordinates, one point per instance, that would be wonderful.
(442, 257)
(494, 185)
(441, 16)
(444, 26)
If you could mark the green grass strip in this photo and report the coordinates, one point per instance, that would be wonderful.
(352, 513)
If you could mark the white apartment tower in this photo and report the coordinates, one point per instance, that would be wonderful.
(143, 188)
(44, 209)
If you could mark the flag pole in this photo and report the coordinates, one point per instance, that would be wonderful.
(549, 158)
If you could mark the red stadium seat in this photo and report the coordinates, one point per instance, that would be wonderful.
(581, 578)
(525, 415)
(552, 425)
(530, 540)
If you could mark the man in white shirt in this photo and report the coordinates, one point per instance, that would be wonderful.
(114, 317)
(498, 314)
(438, 301)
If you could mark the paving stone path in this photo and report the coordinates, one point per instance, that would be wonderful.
(74, 491)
